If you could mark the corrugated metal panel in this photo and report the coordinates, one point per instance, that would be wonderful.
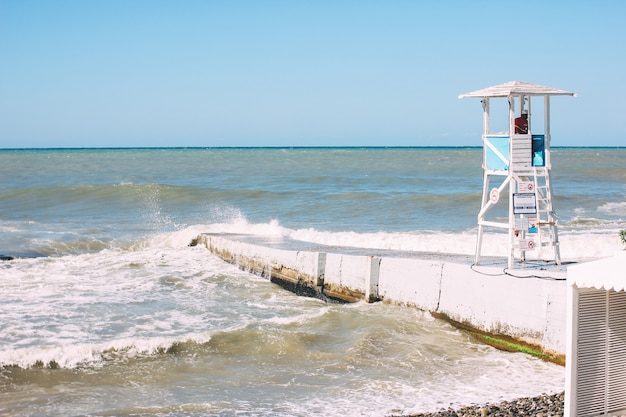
(617, 352)
(592, 337)
(601, 353)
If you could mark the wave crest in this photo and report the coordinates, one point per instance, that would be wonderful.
(97, 355)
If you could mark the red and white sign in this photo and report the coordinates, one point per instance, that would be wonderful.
(494, 195)
(525, 187)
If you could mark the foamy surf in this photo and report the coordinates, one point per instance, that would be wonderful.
(97, 355)
(119, 314)
(168, 258)
(574, 244)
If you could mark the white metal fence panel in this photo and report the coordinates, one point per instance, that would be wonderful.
(617, 352)
(601, 353)
(592, 361)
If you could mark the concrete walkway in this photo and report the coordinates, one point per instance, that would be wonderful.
(525, 306)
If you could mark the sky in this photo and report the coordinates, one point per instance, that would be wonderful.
(152, 73)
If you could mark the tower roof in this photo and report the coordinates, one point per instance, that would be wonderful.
(517, 88)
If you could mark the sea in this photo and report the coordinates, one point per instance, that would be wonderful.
(106, 309)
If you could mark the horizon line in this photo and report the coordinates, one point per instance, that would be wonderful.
(286, 147)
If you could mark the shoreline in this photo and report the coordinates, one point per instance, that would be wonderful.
(543, 405)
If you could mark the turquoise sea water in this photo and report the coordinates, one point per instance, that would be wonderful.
(106, 310)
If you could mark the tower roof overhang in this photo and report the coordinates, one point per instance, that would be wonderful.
(516, 88)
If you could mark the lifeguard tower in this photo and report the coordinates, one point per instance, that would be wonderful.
(517, 161)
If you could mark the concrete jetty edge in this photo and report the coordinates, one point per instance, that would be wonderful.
(521, 309)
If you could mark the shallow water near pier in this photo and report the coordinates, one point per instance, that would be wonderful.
(174, 331)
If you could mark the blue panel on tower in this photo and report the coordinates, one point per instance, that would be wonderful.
(497, 155)
(539, 150)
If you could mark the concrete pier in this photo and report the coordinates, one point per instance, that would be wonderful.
(524, 306)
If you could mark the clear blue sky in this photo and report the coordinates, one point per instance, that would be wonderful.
(300, 73)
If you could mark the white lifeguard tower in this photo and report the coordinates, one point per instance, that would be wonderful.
(518, 162)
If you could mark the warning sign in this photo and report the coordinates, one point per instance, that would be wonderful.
(524, 203)
(526, 244)
(532, 224)
(494, 195)
(526, 187)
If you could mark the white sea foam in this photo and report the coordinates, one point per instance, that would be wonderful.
(69, 310)
(93, 355)
(616, 209)
(298, 319)
(574, 245)
(116, 306)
